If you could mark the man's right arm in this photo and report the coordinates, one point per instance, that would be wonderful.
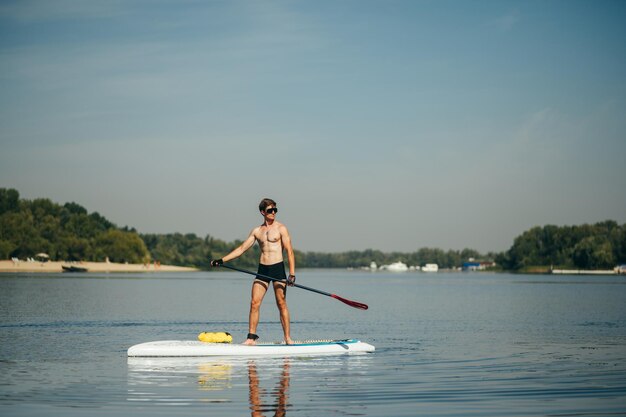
(247, 244)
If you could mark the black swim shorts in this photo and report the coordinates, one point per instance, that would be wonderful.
(275, 271)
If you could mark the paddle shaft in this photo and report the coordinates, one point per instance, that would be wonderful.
(275, 279)
(343, 300)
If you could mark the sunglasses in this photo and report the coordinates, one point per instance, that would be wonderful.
(271, 210)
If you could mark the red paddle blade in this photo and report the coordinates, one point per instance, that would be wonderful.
(354, 304)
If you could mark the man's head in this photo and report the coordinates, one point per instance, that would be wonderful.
(265, 203)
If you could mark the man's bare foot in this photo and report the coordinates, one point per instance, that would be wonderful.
(288, 341)
(251, 339)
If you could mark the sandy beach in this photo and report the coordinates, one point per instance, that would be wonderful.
(55, 266)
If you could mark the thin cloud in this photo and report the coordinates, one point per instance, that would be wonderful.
(30, 11)
(506, 22)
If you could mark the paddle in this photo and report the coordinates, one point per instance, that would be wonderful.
(343, 300)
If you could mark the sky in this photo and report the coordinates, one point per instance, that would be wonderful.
(390, 125)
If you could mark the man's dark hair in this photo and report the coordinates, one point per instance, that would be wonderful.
(266, 202)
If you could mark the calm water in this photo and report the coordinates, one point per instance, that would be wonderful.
(447, 345)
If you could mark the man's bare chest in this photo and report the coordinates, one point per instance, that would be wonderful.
(268, 235)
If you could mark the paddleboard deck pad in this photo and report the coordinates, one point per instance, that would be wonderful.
(188, 348)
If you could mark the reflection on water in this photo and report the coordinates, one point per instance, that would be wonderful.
(151, 380)
(166, 381)
(214, 376)
(279, 394)
(232, 386)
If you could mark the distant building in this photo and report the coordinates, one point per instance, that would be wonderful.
(477, 265)
(471, 266)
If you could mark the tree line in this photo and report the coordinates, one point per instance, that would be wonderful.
(64, 232)
(597, 246)
(69, 232)
(356, 259)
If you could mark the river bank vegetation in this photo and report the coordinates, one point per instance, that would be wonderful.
(69, 232)
(588, 246)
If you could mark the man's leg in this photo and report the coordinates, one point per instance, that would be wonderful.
(259, 288)
(280, 291)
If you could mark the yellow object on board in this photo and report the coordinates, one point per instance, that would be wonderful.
(215, 337)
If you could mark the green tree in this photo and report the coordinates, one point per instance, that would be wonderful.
(6, 249)
(120, 246)
(600, 245)
(594, 252)
(9, 200)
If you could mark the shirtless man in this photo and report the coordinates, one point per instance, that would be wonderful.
(273, 238)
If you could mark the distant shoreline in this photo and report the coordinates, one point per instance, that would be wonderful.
(56, 266)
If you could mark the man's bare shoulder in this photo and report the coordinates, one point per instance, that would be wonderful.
(282, 228)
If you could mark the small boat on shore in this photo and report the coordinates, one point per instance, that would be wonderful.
(73, 268)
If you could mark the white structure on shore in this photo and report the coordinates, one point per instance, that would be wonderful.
(396, 267)
(430, 268)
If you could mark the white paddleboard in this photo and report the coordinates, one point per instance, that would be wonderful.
(178, 348)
